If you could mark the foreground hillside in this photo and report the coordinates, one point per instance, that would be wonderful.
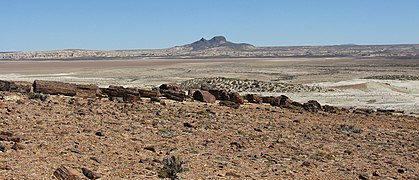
(118, 140)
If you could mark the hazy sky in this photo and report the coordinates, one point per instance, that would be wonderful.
(144, 24)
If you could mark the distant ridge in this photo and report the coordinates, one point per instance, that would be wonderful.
(220, 47)
(217, 42)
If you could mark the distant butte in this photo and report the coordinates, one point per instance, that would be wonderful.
(217, 42)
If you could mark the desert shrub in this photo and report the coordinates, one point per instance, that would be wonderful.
(40, 96)
(171, 166)
(349, 128)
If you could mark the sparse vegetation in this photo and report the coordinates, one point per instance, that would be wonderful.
(171, 166)
(40, 96)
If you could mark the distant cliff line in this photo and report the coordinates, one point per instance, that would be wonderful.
(219, 47)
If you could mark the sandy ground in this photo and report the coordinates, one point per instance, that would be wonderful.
(342, 74)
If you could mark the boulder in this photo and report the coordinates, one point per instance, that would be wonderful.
(312, 106)
(253, 98)
(87, 91)
(204, 96)
(236, 97)
(54, 88)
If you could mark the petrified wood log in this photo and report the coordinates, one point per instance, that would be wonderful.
(87, 91)
(54, 88)
(174, 95)
(149, 93)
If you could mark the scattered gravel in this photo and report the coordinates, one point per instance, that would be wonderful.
(395, 77)
(241, 86)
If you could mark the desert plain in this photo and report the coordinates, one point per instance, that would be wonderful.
(347, 82)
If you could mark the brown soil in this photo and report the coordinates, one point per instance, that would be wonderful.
(129, 141)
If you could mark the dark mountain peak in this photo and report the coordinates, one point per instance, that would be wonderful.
(216, 42)
(218, 39)
(202, 40)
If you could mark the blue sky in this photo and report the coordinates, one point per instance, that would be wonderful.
(28, 25)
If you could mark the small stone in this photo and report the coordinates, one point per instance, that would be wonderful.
(90, 174)
(188, 125)
(306, 164)
(18, 146)
(162, 103)
(363, 177)
(5, 167)
(400, 170)
(2, 147)
(96, 159)
(10, 136)
(150, 148)
(145, 160)
(69, 158)
(232, 174)
(66, 173)
(348, 152)
(100, 133)
(3, 106)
